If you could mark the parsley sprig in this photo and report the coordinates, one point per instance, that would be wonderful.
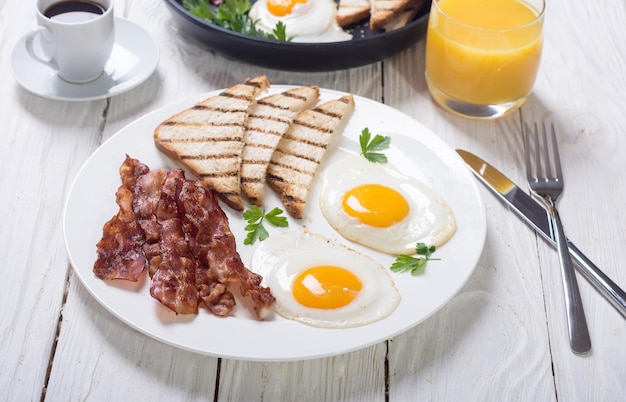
(234, 15)
(255, 217)
(279, 33)
(370, 147)
(416, 265)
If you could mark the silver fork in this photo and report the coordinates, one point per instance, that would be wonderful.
(547, 186)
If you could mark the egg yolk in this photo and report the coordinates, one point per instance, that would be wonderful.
(280, 8)
(375, 205)
(325, 287)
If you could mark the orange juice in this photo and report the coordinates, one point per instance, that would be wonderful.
(483, 52)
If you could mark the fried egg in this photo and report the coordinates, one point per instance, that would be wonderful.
(323, 284)
(380, 208)
(305, 20)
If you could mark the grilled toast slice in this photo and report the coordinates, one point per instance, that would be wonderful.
(385, 11)
(352, 11)
(405, 17)
(208, 137)
(300, 151)
(268, 120)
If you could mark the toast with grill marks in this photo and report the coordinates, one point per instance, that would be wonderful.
(352, 11)
(405, 17)
(207, 138)
(300, 151)
(268, 120)
(384, 12)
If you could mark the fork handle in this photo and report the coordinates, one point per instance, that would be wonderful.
(576, 321)
(603, 284)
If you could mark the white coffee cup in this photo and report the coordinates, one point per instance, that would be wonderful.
(76, 40)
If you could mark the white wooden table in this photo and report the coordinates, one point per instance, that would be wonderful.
(502, 337)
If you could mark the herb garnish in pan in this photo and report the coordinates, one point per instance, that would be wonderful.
(233, 15)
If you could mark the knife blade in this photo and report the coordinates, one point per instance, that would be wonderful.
(536, 216)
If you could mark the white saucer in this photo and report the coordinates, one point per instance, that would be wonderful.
(134, 58)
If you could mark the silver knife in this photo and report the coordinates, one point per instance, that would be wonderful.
(536, 216)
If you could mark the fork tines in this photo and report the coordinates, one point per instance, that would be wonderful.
(543, 167)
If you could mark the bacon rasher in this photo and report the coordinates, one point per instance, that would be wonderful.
(173, 282)
(147, 194)
(120, 254)
(208, 233)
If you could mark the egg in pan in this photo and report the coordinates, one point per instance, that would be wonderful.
(305, 20)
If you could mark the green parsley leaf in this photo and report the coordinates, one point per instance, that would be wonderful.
(280, 33)
(370, 146)
(255, 218)
(274, 218)
(407, 263)
(415, 265)
(234, 15)
(198, 8)
(423, 249)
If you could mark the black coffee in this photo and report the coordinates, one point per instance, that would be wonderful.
(74, 8)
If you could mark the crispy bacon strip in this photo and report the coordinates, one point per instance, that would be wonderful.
(147, 193)
(174, 283)
(213, 244)
(211, 281)
(119, 250)
(130, 171)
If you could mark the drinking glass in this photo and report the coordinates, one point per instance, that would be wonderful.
(482, 56)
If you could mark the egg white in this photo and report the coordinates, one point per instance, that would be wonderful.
(280, 258)
(313, 21)
(430, 219)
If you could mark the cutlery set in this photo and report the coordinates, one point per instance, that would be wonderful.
(545, 182)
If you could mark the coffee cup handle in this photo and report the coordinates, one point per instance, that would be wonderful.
(30, 47)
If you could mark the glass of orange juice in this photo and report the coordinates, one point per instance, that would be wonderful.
(482, 56)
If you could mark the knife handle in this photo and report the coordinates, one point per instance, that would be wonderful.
(598, 279)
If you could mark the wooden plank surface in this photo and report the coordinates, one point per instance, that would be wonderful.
(501, 338)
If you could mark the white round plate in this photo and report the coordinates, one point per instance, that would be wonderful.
(134, 58)
(414, 150)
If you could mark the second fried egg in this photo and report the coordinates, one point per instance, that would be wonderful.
(383, 209)
(324, 284)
